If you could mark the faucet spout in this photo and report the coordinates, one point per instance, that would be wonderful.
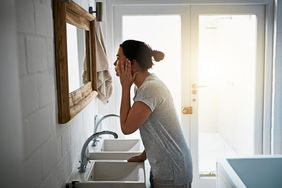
(104, 117)
(84, 158)
(97, 124)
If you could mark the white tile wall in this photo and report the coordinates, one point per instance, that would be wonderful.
(43, 19)
(33, 170)
(25, 16)
(62, 170)
(50, 55)
(10, 104)
(38, 129)
(51, 150)
(46, 88)
(49, 182)
(29, 94)
(22, 53)
(36, 53)
(49, 154)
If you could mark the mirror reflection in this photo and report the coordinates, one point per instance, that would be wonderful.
(77, 62)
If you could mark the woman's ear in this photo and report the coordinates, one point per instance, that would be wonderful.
(134, 66)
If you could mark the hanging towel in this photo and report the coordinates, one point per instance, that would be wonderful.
(104, 78)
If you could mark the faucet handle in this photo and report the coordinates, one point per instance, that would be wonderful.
(94, 143)
(96, 140)
(80, 166)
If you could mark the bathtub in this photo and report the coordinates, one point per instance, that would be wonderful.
(263, 171)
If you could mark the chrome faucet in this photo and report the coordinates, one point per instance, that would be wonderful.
(84, 150)
(97, 124)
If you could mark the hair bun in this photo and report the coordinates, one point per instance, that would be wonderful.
(158, 55)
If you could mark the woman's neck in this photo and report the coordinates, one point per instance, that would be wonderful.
(140, 77)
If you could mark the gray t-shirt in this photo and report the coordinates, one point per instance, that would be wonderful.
(165, 146)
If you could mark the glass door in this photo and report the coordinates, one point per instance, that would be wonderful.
(164, 29)
(227, 85)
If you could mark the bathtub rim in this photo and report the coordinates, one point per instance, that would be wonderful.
(229, 171)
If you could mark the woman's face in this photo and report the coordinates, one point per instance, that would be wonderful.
(120, 59)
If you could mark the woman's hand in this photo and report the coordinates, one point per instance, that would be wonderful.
(139, 158)
(125, 73)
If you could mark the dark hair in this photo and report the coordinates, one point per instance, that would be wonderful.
(141, 52)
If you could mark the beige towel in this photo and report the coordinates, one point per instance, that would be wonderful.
(104, 78)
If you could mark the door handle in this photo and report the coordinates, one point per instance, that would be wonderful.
(195, 88)
(187, 110)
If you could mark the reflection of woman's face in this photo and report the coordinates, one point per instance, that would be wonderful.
(120, 59)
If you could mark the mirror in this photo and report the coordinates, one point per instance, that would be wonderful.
(77, 65)
(75, 58)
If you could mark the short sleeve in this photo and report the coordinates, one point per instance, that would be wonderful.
(148, 95)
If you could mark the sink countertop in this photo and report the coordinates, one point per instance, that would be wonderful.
(81, 177)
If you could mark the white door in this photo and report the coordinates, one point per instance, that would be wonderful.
(227, 58)
(214, 69)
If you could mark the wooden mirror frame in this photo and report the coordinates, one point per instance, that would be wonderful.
(70, 104)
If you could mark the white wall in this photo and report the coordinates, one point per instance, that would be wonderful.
(10, 116)
(277, 129)
(50, 151)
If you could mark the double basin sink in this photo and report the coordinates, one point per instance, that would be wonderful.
(109, 168)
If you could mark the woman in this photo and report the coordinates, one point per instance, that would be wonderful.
(153, 113)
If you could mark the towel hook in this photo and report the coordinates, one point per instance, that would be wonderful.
(99, 11)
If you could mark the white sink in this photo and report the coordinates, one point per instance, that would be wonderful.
(110, 174)
(115, 174)
(121, 145)
(117, 171)
(116, 149)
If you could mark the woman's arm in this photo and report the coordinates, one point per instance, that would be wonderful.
(131, 118)
(134, 118)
